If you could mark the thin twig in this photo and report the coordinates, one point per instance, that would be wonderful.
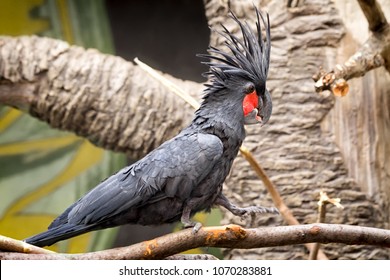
(175, 89)
(322, 202)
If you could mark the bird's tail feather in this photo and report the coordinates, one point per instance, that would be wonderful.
(56, 234)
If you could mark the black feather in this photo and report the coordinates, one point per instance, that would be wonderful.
(248, 58)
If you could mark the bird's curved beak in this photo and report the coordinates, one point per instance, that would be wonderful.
(262, 113)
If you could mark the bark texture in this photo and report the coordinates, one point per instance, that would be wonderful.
(360, 121)
(374, 53)
(299, 155)
(113, 103)
(229, 236)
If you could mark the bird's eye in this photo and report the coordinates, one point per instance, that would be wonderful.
(249, 88)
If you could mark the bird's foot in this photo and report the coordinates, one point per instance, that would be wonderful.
(185, 217)
(246, 211)
(194, 225)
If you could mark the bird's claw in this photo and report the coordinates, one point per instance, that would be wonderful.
(196, 226)
(258, 210)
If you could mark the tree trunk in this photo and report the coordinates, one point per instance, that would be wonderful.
(301, 148)
(360, 121)
(312, 142)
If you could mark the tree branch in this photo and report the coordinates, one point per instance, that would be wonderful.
(375, 17)
(204, 257)
(231, 236)
(374, 53)
(100, 97)
(13, 245)
(323, 201)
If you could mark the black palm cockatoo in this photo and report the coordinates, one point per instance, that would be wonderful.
(185, 174)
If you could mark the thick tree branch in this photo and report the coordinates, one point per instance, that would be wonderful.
(100, 97)
(231, 236)
(374, 53)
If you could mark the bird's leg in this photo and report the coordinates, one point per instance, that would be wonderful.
(185, 218)
(238, 211)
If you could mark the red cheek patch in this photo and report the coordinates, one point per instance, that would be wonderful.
(251, 101)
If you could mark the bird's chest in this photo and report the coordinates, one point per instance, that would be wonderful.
(211, 186)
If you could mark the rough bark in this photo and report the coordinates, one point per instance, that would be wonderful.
(111, 102)
(360, 121)
(230, 236)
(374, 53)
(300, 157)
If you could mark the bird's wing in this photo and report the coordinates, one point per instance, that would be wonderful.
(173, 169)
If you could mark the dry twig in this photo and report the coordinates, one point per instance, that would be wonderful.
(374, 53)
(323, 201)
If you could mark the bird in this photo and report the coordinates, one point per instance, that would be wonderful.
(185, 174)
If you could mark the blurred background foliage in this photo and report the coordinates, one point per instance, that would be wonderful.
(44, 170)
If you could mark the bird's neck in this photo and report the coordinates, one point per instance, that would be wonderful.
(226, 122)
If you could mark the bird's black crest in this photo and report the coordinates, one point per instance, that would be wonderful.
(248, 57)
